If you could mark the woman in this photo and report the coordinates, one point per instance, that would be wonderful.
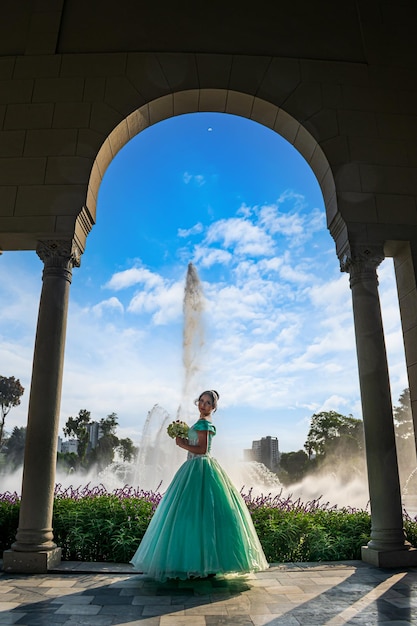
(202, 525)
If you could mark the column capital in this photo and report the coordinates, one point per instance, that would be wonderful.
(361, 262)
(59, 257)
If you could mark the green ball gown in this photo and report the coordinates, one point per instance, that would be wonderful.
(202, 525)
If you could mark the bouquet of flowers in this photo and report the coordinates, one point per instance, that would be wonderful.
(178, 429)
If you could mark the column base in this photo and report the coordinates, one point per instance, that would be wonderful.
(31, 562)
(390, 558)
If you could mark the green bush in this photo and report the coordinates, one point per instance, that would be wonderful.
(321, 535)
(93, 525)
(9, 521)
(101, 528)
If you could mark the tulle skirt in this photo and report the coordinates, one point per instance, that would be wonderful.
(201, 526)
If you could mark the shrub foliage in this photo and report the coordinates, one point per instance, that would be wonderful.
(91, 524)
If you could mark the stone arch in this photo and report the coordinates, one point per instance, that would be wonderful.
(220, 101)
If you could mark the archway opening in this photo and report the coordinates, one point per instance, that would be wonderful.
(249, 212)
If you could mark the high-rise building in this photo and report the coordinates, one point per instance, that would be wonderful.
(266, 451)
(94, 434)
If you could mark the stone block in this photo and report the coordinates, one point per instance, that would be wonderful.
(305, 100)
(186, 101)
(22, 171)
(397, 209)
(180, 70)
(119, 137)
(39, 66)
(104, 64)
(239, 104)
(404, 273)
(247, 73)
(327, 186)
(50, 141)
(391, 558)
(7, 200)
(213, 70)
(7, 66)
(319, 163)
(103, 160)
(264, 112)
(358, 207)
(94, 89)
(103, 118)
(280, 80)
(396, 126)
(122, 96)
(388, 179)
(27, 116)
(334, 72)
(370, 98)
(287, 126)
(72, 115)
(410, 347)
(58, 90)
(43, 32)
(323, 125)
(49, 200)
(15, 91)
(336, 150)
(89, 143)
(305, 143)
(145, 73)
(213, 100)
(357, 123)
(408, 311)
(138, 121)
(31, 562)
(377, 150)
(330, 202)
(161, 109)
(11, 143)
(68, 169)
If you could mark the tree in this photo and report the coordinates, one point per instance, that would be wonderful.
(10, 393)
(67, 462)
(294, 464)
(108, 425)
(126, 449)
(108, 442)
(404, 436)
(331, 432)
(77, 427)
(15, 447)
(402, 416)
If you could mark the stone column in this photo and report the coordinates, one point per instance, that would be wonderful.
(34, 550)
(387, 547)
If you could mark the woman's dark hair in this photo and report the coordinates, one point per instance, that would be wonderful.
(214, 396)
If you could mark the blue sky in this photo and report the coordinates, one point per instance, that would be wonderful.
(241, 204)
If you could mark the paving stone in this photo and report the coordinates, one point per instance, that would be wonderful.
(339, 594)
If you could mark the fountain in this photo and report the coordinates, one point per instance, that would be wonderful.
(158, 457)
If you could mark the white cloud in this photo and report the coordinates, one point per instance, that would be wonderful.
(207, 257)
(164, 302)
(244, 237)
(198, 179)
(111, 304)
(194, 230)
(133, 276)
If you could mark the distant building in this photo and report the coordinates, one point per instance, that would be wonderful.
(69, 446)
(94, 434)
(266, 451)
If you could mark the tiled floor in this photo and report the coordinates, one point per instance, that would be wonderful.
(331, 594)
